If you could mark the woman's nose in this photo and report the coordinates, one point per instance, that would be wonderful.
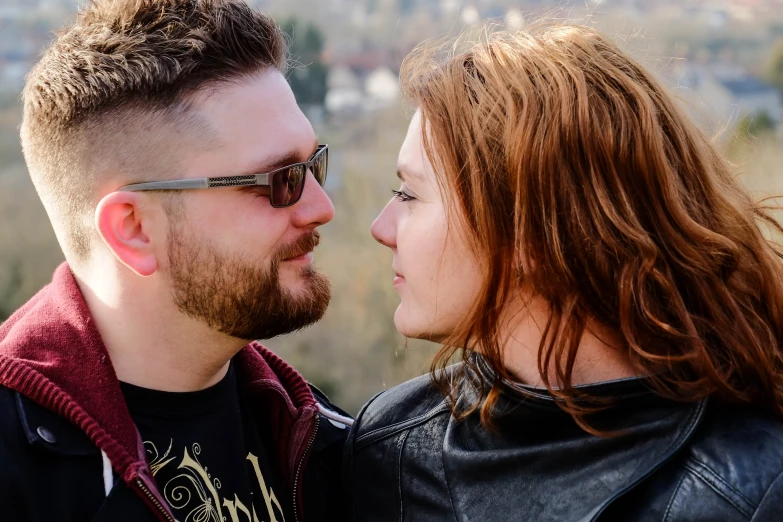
(384, 228)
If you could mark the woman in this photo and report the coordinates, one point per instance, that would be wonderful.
(617, 313)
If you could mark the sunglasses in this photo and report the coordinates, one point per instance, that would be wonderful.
(286, 184)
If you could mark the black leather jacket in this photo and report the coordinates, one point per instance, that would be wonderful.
(407, 459)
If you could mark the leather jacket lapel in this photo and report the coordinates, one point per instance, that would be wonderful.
(579, 474)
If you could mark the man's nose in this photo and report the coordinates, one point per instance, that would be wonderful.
(314, 208)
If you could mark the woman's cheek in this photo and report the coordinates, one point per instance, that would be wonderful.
(418, 260)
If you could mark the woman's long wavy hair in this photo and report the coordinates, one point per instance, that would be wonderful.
(578, 179)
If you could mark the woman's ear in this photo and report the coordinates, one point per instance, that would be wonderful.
(124, 222)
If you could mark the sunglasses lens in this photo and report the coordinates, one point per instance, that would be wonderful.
(287, 186)
(320, 165)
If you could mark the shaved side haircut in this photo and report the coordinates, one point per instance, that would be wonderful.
(108, 103)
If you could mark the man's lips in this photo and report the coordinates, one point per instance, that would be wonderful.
(308, 256)
(301, 249)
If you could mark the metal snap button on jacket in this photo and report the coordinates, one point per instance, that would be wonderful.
(46, 435)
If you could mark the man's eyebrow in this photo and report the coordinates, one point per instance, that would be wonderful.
(277, 162)
(274, 163)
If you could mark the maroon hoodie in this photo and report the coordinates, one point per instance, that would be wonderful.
(52, 353)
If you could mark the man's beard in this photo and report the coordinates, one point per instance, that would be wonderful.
(241, 299)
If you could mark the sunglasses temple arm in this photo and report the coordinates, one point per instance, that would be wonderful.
(179, 184)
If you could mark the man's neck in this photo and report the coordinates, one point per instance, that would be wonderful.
(152, 345)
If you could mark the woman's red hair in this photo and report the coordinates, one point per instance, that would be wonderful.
(579, 180)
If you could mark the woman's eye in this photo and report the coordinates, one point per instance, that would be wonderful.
(401, 195)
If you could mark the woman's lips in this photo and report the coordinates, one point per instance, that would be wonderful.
(398, 279)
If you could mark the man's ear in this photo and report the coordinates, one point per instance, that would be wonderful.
(125, 222)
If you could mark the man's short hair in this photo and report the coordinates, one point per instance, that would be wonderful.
(108, 101)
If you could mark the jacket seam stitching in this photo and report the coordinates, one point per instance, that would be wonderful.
(351, 451)
(432, 411)
(401, 445)
(446, 479)
(22, 415)
(671, 500)
(766, 492)
(717, 490)
(773, 435)
(719, 479)
(671, 451)
(11, 461)
(400, 426)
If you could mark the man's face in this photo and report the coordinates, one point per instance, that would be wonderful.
(235, 262)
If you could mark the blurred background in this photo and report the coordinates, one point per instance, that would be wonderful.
(722, 58)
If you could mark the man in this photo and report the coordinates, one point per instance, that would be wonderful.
(130, 389)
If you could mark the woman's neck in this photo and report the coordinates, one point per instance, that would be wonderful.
(600, 356)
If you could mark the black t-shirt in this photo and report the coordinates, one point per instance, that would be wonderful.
(208, 456)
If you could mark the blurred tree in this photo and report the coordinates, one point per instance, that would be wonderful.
(309, 73)
(406, 6)
(755, 125)
(10, 291)
(774, 72)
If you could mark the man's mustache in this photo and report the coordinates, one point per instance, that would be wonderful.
(306, 243)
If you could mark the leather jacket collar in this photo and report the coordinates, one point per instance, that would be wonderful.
(535, 434)
(538, 465)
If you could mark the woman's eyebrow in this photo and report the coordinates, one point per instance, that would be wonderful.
(406, 174)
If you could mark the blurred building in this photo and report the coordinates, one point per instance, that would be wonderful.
(736, 98)
(345, 91)
(382, 87)
(362, 82)
(719, 95)
(12, 75)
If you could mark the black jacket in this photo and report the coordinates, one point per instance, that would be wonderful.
(51, 471)
(407, 459)
(70, 451)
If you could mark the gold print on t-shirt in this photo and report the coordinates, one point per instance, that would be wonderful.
(196, 491)
(196, 475)
(269, 495)
(157, 460)
(238, 505)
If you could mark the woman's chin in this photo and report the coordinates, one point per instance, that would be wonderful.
(406, 324)
(412, 327)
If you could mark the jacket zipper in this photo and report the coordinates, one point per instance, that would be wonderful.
(299, 467)
(154, 500)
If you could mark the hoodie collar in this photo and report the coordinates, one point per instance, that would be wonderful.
(52, 353)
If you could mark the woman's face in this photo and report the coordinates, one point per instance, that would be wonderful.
(436, 275)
